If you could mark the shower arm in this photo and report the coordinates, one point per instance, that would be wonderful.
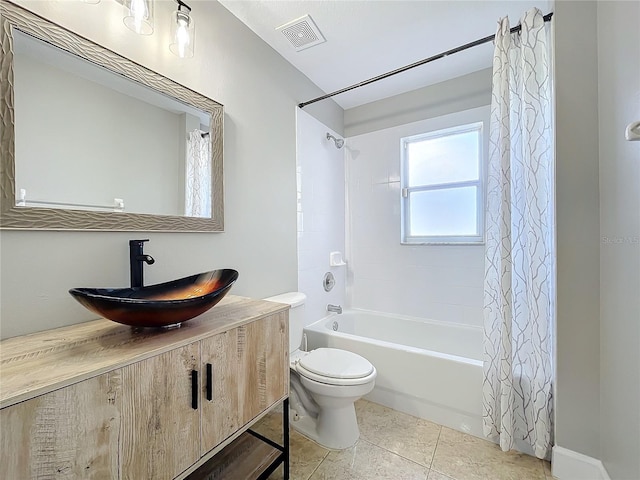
(338, 142)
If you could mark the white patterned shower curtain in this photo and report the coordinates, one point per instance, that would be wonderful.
(198, 176)
(519, 291)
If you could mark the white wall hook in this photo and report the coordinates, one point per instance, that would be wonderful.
(633, 132)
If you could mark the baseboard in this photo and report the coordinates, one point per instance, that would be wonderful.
(569, 465)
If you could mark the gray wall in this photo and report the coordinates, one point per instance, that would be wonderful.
(455, 95)
(619, 104)
(260, 91)
(578, 325)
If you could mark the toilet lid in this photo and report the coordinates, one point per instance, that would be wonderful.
(334, 363)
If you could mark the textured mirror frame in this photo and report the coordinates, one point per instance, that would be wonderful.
(18, 218)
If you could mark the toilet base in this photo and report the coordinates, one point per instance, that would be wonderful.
(335, 429)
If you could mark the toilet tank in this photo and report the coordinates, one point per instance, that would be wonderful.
(296, 316)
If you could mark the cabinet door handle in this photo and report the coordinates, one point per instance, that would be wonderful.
(194, 389)
(209, 382)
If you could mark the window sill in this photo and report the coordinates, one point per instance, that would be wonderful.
(442, 242)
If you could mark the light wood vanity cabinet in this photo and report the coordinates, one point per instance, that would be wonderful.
(101, 401)
(248, 376)
(69, 433)
(160, 429)
(220, 414)
(264, 344)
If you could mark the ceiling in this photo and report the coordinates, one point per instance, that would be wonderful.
(366, 38)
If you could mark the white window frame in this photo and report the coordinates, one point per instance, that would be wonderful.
(405, 190)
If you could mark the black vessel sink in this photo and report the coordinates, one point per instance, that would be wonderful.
(159, 305)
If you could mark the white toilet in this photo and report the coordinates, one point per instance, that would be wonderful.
(325, 383)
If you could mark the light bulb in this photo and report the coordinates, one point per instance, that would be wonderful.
(139, 16)
(182, 36)
(183, 33)
(139, 12)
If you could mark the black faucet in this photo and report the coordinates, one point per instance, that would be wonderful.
(136, 259)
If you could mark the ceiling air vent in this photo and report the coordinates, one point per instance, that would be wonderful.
(302, 33)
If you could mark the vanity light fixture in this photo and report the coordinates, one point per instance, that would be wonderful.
(183, 31)
(138, 16)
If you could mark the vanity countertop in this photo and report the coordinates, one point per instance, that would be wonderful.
(31, 365)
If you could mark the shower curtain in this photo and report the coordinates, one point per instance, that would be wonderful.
(519, 289)
(198, 176)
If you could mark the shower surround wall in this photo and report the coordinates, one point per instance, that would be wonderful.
(439, 282)
(320, 214)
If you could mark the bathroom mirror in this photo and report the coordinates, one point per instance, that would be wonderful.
(93, 141)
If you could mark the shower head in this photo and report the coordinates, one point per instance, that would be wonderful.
(338, 141)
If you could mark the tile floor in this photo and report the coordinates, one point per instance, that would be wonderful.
(397, 446)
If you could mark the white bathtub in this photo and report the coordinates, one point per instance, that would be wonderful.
(429, 369)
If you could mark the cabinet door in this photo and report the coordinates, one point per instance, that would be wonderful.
(263, 349)
(219, 412)
(250, 372)
(161, 430)
(69, 433)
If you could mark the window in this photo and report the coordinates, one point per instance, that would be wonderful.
(442, 187)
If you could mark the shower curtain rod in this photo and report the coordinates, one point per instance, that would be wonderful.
(486, 39)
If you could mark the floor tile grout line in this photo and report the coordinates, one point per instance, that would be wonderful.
(433, 455)
(399, 454)
(319, 463)
(407, 458)
(396, 453)
(393, 453)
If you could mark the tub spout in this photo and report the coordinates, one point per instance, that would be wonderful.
(334, 308)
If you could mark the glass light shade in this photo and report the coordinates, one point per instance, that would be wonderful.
(138, 16)
(183, 34)
(93, 2)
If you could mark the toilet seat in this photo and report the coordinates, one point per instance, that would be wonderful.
(335, 367)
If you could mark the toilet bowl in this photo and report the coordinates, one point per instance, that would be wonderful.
(325, 384)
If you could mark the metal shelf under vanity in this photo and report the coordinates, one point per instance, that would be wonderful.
(251, 456)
